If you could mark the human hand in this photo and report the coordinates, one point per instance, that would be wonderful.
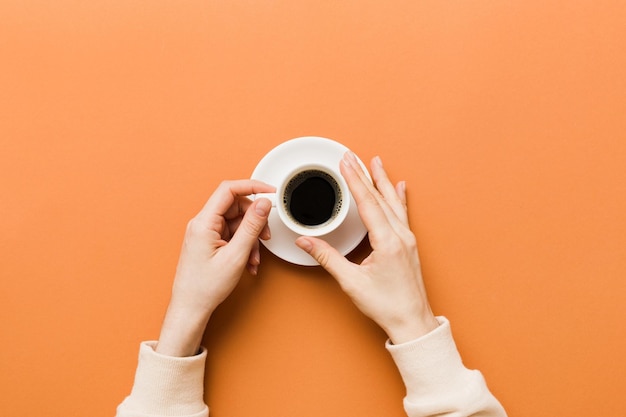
(219, 243)
(387, 286)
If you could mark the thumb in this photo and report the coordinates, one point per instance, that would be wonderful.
(250, 227)
(327, 256)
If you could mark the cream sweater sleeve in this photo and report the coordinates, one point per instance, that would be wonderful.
(166, 386)
(437, 383)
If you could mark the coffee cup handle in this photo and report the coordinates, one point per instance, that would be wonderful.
(269, 196)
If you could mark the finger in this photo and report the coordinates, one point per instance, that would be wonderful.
(227, 192)
(255, 254)
(368, 203)
(233, 225)
(266, 234)
(401, 191)
(387, 190)
(252, 269)
(352, 161)
(238, 208)
(254, 260)
(397, 224)
(251, 226)
(327, 256)
(386, 196)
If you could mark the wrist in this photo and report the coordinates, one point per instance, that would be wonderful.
(412, 328)
(181, 333)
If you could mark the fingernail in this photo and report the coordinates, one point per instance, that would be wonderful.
(345, 160)
(305, 244)
(350, 160)
(378, 161)
(263, 207)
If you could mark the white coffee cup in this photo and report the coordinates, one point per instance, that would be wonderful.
(312, 200)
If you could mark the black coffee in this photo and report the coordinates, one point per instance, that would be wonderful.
(312, 198)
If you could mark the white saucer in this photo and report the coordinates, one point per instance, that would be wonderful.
(282, 160)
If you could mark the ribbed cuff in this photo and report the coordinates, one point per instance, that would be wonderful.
(166, 386)
(429, 363)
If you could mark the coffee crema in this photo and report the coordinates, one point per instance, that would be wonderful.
(312, 198)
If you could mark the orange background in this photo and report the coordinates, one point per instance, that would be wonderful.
(506, 119)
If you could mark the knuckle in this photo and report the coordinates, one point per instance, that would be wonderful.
(394, 247)
(370, 200)
(410, 241)
(194, 227)
(322, 257)
(199, 229)
(369, 206)
(252, 228)
(225, 185)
